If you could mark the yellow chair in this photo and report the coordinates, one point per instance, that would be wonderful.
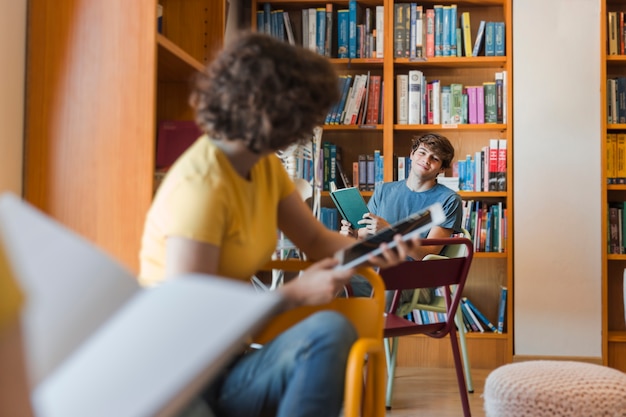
(364, 393)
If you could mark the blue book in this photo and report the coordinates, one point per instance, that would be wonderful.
(490, 40)
(267, 11)
(260, 21)
(342, 33)
(499, 38)
(344, 97)
(445, 31)
(333, 109)
(378, 168)
(320, 38)
(479, 314)
(502, 309)
(438, 30)
(479, 38)
(467, 316)
(453, 27)
(352, 38)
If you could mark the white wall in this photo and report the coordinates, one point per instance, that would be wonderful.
(557, 178)
(13, 53)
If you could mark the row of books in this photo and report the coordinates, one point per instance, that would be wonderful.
(616, 100)
(421, 32)
(486, 171)
(419, 101)
(473, 319)
(360, 103)
(616, 158)
(616, 33)
(616, 225)
(329, 216)
(486, 223)
(355, 32)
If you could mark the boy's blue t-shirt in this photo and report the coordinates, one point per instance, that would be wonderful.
(394, 201)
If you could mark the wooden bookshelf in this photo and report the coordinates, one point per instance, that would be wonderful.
(489, 270)
(99, 80)
(613, 265)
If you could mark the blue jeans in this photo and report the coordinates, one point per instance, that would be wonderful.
(300, 373)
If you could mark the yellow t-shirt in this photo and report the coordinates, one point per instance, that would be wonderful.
(10, 294)
(204, 199)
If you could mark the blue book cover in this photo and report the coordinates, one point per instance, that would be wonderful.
(260, 21)
(479, 314)
(490, 41)
(378, 168)
(453, 28)
(333, 109)
(342, 33)
(438, 30)
(352, 38)
(445, 31)
(479, 38)
(320, 38)
(499, 38)
(502, 309)
(342, 103)
(267, 11)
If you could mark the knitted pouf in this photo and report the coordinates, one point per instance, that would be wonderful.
(555, 388)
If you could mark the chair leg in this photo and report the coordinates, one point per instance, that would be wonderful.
(458, 366)
(458, 319)
(391, 353)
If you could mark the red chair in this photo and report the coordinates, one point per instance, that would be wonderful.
(448, 273)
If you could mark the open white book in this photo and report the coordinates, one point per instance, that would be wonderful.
(98, 344)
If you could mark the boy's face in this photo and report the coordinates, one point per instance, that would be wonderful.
(425, 164)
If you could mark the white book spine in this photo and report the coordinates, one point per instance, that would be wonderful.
(380, 30)
(415, 97)
(402, 93)
(436, 102)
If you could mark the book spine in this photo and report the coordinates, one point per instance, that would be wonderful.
(456, 103)
(467, 33)
(402, 97)
(352, 38)
(479, 38)
(453, 27)
(491, 110)
(313, 29)
(471, 318)
(502, 163)
(398, 30)
(430, 33)
(414, 97)
(480, 104)
(499, 34)
(370, 174)
(380, 31)
(493, 164)
(328, 43)
(445, 104)
(378, 168)
(413, 31)
(502, 309)
(490, 40)
(362, 172)
(438, 30)
(445, 31)
(342, 33)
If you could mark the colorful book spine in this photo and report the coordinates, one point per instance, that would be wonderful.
(430, 33)
(491, 108)
(502, 163)
(502, 309)
(471, 316)
(438, 30)
(499, 39)
(467, 33)
(453, 27)
(342, 33)
(490, 39)
(352, 38)
(479, 38)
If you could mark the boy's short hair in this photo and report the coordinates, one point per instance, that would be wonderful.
(437, 144)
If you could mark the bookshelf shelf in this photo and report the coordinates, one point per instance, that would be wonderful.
(461, 127)
(453, 62)
(174, 63)
(613, 321)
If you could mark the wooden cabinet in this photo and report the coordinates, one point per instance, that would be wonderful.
(489, 271)
(613, 66)
(99, 80)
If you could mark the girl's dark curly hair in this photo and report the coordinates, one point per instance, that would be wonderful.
(264, 92)
(437, 144)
